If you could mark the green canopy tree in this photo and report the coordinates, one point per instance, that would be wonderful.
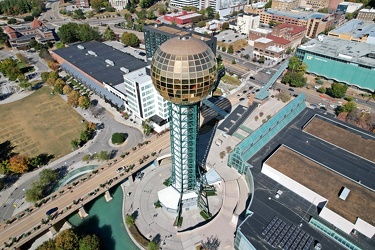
(67, 240)
(3, 36)
(109, 34)
(130, 39)
(84, 102)
(68, 33)
(337, 90)
(89, 242)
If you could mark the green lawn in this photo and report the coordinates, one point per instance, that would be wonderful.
(231, 80)
(40, 123)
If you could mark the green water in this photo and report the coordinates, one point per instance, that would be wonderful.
(105, 220)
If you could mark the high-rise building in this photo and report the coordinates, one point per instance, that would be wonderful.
(155, 35)
(183, 71)
(246, 22)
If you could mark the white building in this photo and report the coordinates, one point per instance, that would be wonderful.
(217, 5)
(118, 4)
(348, 7)
(141, 98)
(246, 22)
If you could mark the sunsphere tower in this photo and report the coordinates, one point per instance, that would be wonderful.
(183, 71)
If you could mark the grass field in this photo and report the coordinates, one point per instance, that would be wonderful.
(40, 123)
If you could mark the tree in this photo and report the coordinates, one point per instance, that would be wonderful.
(129, 220)
(3, 36)
(261, 59)
(152, 245)
(294, 79)
(47, 245)
(201, 24)
(130, 39)
(84, 102)
(50, 82)
(321, 90)
(12, 21)
(268, 4)
(89, 242)
(296, 65)
(78, 14)
(283, 96)
(161, 10)
(217, 16)
(67, 240)
(174, 23)
(35, 193)
(224, 49)
(347, 107)
(230, 49)
(225, 26)
(87, 33)
(19, 164)
(96, 5)
(337, 90)
(73, 98)
(109, 34)
(118, 138)
(67, 89)
(86, 157)
(44, 76)
(59, 85)
(53, 75)
(47, 176)
(68, 33)
(210, 12)
(147, 129)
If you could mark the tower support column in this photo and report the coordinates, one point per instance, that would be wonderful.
(184, 127)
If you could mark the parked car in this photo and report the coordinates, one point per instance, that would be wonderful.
(321, 105)
(290, 89)
(252, 77)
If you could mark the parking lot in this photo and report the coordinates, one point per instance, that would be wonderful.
(229, 36)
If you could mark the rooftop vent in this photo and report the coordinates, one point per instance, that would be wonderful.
(109, 62)
(344, 193)
(125, 70)
(92, 53)
(80, 47)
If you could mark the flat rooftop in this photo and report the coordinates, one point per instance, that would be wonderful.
(344, 137)
(96, 66)
(349, 51)
(305, 15)
(168, 29)
(327, 183)
(290, 207)
(356, 28)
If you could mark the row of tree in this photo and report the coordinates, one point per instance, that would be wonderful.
(13, 162)
(16, 7)
(70, 240)
(43, 187)
(85, 135)
(295, 74)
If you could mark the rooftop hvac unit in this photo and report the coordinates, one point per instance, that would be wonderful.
(80, 47)
(109, 62)
(92, 53)
(125, 70)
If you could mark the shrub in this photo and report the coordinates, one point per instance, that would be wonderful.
(118, 138)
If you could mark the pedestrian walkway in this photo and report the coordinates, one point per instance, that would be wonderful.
(156, 223)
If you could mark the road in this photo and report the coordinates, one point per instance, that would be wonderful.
(34, 219)
(314, 97)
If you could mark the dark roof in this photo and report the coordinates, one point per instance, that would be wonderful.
(95, 66)
(340, 160)
(290, 207)
(236, 118)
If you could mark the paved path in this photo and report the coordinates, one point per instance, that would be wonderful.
(155, 223)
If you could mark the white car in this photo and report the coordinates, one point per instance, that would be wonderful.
(321, 105)
(333, 106)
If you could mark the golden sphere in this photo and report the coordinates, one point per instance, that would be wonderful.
(184, 70)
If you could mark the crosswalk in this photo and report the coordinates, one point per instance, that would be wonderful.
(17, 202)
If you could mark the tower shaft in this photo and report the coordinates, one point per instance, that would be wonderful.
(184, 126)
